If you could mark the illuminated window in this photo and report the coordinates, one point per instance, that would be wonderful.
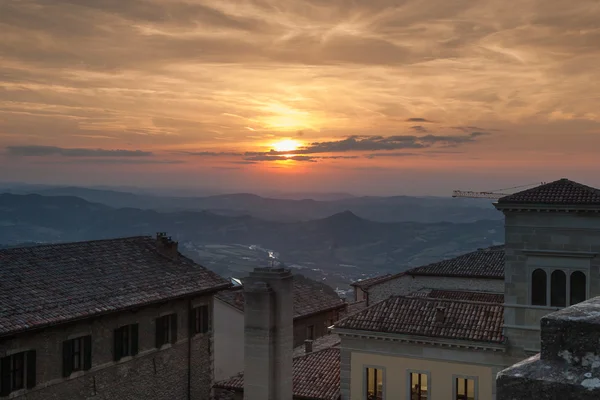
(374, 390)
(465, 389)
(419, 386)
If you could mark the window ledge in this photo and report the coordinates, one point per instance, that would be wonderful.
(124, 359)
(76, 374)
(560, 253)
(165, 346)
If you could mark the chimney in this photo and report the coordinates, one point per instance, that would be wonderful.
(308, 346)
(268, 334)
(166, 246)
(440, 314)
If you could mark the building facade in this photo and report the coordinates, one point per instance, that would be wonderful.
(549, 261)
(113, 319)
(552, 246)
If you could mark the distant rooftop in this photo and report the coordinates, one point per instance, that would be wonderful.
(308, 299)
(366, 283)
(56, 283)
(316, 376)
(560, 192)
(462, 320)
(463, 295)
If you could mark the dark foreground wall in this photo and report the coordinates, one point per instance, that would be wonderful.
(568, 367)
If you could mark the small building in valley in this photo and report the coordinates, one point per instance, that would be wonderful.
(126, 318)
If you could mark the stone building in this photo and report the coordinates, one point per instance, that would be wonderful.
(428, 329)
(314, 310)
(109, 319)
(551, 248)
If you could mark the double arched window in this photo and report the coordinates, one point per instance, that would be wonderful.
(561, 290)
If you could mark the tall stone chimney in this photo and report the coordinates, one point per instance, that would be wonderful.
(268, 348)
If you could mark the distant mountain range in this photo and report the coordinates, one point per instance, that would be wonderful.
(380, 209)
(339, 239)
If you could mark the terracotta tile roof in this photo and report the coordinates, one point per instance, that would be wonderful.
(308, 299)
(463, 295)
(479, 322)
(316, 376)
(485, 263)
(50, 284)
(366, 283)
(324, 342)
(560, 192)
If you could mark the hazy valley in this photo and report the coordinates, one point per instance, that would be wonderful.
(334, 241)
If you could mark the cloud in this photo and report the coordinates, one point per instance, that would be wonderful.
(40, 151)
(418, 120)
(377, 143)
(266, 157)
(385, 154)
(419, 128)
(116, 161)
(209, 153)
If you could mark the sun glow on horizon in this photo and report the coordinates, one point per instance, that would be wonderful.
(286, 145)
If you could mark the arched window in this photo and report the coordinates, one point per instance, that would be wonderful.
(558, 289)
(578, 287)
(538, 287)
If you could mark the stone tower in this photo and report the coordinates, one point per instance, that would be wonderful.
(268, 315)
(551, 248)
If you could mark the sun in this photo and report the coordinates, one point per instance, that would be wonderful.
(287, 145)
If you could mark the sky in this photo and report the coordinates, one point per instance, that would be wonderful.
(367, 97)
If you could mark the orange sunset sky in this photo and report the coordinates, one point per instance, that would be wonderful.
(368, 97)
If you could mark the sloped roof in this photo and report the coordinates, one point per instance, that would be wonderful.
(471, 321)
(560, 192)
(50, 284)
(485, 263)
(308, 299)
(316, 376)
(321, 343)
(366, 283)
(484, 297)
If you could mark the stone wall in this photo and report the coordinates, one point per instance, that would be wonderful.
(153, 374)
(406, 284)
(568, 366)
(566, 241)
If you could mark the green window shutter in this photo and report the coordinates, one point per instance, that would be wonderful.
(67, 358)
(205, 319)
(134, 339)
(31, 369)
(160, 336)
(173, 328)
(87, 352)
(5, 376)
(118, 350)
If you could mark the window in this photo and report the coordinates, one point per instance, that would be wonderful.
(418, 386)
(199, 321)
(310, 332)
(538, 288)
(465, 389)
(77, 355)
(17, 371)
(558, 289)
(374, 389)
(126, 341)
(578, 287)
(166, 330)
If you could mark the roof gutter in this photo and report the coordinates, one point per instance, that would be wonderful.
(118, 310)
